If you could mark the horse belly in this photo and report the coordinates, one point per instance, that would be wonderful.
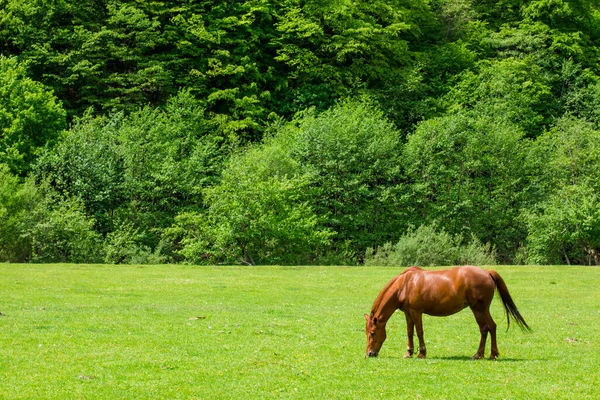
(445, 309)
(443, 305)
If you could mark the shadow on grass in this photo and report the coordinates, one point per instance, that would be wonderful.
(467, 358)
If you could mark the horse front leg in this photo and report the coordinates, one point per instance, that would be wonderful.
(410, 330)
(417, 317)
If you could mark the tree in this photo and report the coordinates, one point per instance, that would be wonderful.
(322, 188)
(249, 60)
(31, 118)
(139, 169)
(565, 228)
(258, 214)
(63, 232)
(467, 174)
(351, 152)
(512, 89)
(564, 223)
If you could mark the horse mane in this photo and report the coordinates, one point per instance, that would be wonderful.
(383, 291)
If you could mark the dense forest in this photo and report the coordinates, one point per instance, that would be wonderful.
(300, 131)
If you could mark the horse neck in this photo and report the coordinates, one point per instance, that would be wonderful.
(387, 302)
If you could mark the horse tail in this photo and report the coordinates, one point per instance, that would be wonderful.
(509, 304)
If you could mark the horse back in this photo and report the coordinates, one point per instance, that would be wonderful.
(445, 292)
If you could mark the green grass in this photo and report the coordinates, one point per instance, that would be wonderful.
(169, 332)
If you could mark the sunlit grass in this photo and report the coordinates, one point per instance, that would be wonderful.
(71, 332)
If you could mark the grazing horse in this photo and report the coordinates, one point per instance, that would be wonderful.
(439, 293)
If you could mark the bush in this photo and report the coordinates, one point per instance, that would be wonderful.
(64, 234)
(566, 228)
(426, 247)
(564, 222)
(143, 168)
(188, 239)
(257, 214)
(123, 246)
(17, 203)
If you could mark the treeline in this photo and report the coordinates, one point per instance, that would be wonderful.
(300, 132)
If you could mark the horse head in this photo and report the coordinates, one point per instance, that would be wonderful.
(375, 330)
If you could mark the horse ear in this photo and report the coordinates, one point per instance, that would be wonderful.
(367, 317)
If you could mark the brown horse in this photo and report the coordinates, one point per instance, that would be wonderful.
(439, 293)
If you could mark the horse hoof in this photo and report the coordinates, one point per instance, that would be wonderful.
(408, 355)
(421, 355)
(477, 357)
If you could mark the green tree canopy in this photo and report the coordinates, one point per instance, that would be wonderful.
(30, 117)
(467, 174)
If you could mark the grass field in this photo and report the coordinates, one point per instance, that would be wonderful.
(177, 332)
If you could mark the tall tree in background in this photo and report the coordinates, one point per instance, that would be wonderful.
(30, 117)
(247, 60)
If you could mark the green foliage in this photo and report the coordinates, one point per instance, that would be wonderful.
(247, 59)
(38, 226)
(456, 16)
(467, 172)
(427, 246)
(259, 213)
(481, 116)
(123, 246)
(512, 90)
(141, 169)
(326, 183)
(565, 226)
(17, 204)
(30, 117)
(351, 153)
(332, 48)
(93, 54)
(63, 233)
(188, 240)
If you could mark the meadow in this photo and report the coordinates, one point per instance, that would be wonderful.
(72, 331)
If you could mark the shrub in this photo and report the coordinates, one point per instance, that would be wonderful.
(144, 167)
(467, 174)
(31, 117)
(64, 233)
(187, 239)
(566, 228)
(257, 214)
(17, 203)
(124, 246)
(425, 246)
(564, 222)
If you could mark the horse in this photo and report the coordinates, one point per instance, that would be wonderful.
(439, 293)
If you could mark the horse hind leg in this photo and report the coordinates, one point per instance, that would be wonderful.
(492, 326)
(486, 324)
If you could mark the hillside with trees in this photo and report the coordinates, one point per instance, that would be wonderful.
(300, 132)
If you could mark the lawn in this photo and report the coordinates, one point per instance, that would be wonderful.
(180, 332)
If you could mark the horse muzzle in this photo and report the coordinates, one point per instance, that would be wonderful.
(372, 354)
